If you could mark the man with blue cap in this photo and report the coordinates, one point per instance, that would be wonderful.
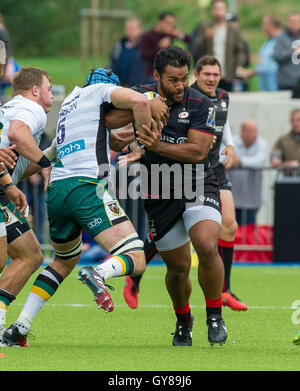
(78, 198)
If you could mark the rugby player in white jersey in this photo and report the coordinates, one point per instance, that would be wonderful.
(7, 159)
(24, 122)
(78, 198)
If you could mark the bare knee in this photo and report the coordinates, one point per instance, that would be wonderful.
(36, 259)
(206, 251)
(178, 272)
(139, 262)
(64, 267)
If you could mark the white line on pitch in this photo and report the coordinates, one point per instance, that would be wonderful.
(151, 306)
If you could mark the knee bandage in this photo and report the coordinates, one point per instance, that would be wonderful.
(71, 253)
(128, 244)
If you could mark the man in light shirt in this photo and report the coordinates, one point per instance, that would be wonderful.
(251, 154)
(222, 40)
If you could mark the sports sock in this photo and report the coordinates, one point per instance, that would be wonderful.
(214, 306)
(42, 290)
(183, 314)
(150, 250)
(5, 299)
(116, 266)
(226, 253)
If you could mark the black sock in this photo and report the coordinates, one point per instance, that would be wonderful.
(150, 250)
(6, 297)
(226, 253)
(184, 314)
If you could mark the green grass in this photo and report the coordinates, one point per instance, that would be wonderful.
(80, 337)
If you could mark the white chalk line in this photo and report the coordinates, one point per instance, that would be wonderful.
(159, 306)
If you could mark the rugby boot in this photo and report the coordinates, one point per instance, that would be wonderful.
(183, 333)
(89, 276)
(296, 339)
(230, 300)
(12, 337)
(217, 332)
(130, 292)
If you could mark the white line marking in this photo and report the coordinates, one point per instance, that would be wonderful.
(158, 306)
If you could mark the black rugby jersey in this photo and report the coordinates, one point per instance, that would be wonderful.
(220, 102)
(196, 112)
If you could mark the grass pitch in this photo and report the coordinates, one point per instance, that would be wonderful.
(73, 335)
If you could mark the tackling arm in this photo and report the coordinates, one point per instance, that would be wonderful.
(20, 135)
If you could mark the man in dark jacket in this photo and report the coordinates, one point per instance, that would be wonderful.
(159, 37)
(222, 40)
(126, 61)
(287, 53)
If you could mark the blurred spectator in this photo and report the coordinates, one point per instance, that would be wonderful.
(222, 40)
(251, 153)
(4, 35)
(240, 83)
(159, 37)
(266, 68)
(287, 53)
(11, 66)
(286, 151)
(126, 61)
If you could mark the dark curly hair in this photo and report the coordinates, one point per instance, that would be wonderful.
(172, 55)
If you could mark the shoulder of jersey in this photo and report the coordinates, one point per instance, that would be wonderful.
(143, 88)
(194, 95)
(222, 94)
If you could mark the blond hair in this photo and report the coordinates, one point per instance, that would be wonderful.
(26, 78)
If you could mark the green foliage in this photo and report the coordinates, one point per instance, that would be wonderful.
(52, 27)
(42, 27)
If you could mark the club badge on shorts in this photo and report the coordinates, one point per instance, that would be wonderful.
(112, 207)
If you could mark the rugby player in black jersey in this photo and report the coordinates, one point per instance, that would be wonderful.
(208, 74)
(185, 140)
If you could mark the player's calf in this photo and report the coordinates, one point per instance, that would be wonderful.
(127, 258)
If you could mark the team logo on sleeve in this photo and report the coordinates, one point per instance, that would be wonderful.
(211, 118)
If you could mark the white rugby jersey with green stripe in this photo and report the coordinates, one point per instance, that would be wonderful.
(33, 115)
(82, 139)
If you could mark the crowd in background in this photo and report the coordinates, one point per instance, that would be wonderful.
(276, 65)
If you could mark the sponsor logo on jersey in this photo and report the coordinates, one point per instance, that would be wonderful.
(173, 140)
(183, 117)
(95, 222)
(223, 104)
(219, 128)
(211, 118)
(210, 200)
(183, 114)
(75, 146)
